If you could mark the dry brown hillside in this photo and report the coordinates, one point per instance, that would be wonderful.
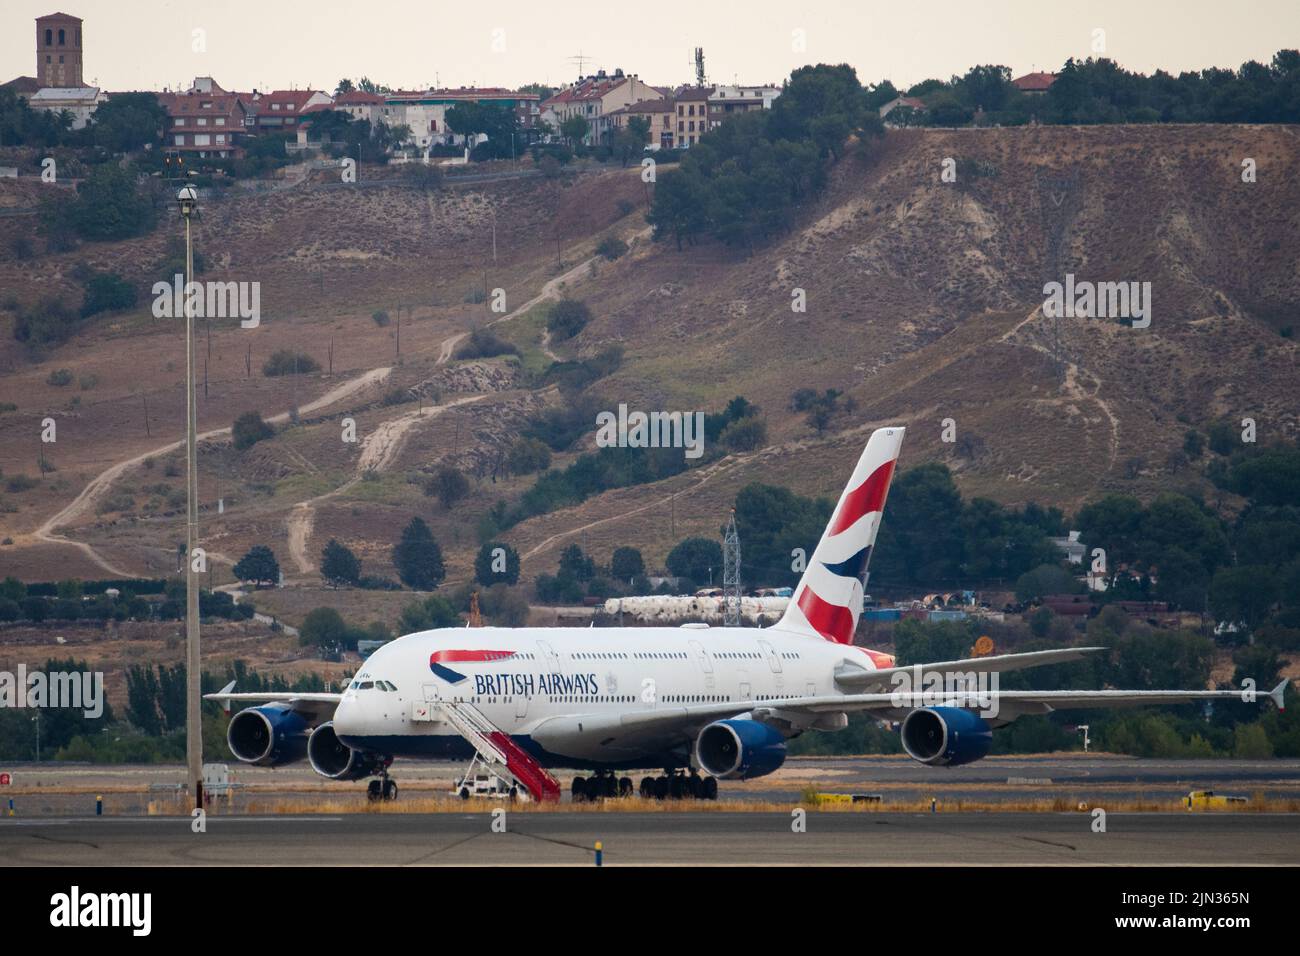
(923, 303)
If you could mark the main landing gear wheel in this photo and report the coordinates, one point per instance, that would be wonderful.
(579, 789)
(677, 785)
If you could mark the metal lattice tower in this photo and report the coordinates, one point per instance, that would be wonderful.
(699, 66)
(731, 574)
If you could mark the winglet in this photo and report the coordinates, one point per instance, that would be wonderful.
(1278, 694)
(225, 704)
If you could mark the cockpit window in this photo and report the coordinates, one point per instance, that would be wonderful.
(366, 685)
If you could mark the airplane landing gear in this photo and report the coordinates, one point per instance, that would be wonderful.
(603, 784)
(679, 785)
(384, 788)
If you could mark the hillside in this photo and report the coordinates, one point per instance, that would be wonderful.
(923, 303)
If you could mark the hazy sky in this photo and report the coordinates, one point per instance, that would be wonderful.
(270, 44)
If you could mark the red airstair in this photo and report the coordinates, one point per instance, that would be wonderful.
(499, 751)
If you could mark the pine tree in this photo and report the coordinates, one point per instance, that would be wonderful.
(418, 558)
(338, 565)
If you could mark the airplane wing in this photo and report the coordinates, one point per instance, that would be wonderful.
(605, 733)
(852, 674)
(315, 706)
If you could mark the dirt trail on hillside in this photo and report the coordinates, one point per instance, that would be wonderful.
(378, 451)
(100, 485)
(551, 290)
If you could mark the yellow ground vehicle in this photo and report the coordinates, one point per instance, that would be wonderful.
(1208, 800)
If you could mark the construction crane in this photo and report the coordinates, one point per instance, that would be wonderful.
(731, 574)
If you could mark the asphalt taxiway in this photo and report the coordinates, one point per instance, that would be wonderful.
(679, 837)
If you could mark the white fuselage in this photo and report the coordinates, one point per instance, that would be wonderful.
(520, 678)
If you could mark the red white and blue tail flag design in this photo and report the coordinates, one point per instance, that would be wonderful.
(828, 601)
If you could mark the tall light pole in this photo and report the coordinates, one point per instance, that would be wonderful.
(188, 199)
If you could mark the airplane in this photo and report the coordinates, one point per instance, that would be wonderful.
(698, 703)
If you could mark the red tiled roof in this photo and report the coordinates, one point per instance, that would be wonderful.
(358, 98)
(191, 104)
(284, 97)
(690, 93)
(1034, 82)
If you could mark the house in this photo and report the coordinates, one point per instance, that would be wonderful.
(692, 106)
(1074, 548)
(80, 101)
(426, 112)
(278, 111)
(361, 106)
(906, 110)
(206, 124)
(1034, 84)
(594, 98)
(660, 114)
(728, 101)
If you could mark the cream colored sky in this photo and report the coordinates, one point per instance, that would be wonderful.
(147, 44)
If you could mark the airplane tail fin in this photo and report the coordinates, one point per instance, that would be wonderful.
(828, 601)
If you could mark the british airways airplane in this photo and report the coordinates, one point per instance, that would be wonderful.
(696, 703)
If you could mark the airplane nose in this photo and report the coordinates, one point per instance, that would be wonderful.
(345, 716)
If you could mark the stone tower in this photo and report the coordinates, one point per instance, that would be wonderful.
(58, 50)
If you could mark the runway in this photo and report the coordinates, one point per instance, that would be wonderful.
(670, 838)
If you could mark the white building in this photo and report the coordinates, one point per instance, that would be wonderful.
(80, 101)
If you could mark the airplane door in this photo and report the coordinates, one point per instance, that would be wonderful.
(705, 662)
(746, 692)
(774, 662)
(548, 654)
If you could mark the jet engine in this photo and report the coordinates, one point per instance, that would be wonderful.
(268, 736)
(739, 749)
(946, 736)
(331, 757)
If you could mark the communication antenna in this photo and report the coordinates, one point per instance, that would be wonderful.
(731, 574)
(699, 66)
(580, 58)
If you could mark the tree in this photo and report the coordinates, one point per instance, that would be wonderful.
(528, 455)
(696, 559)
(107, 292)
(338, 565)
(1043, 580)
(568, 317)
(127, 122)
(324, 627)
(496, 563)
(418, 558)
(575, 564)
(449, 485)
(574, 129)
(626, 563)
(259, 566)
(1243, 594)
(249, 429)
(431, 613)
(109, 206)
